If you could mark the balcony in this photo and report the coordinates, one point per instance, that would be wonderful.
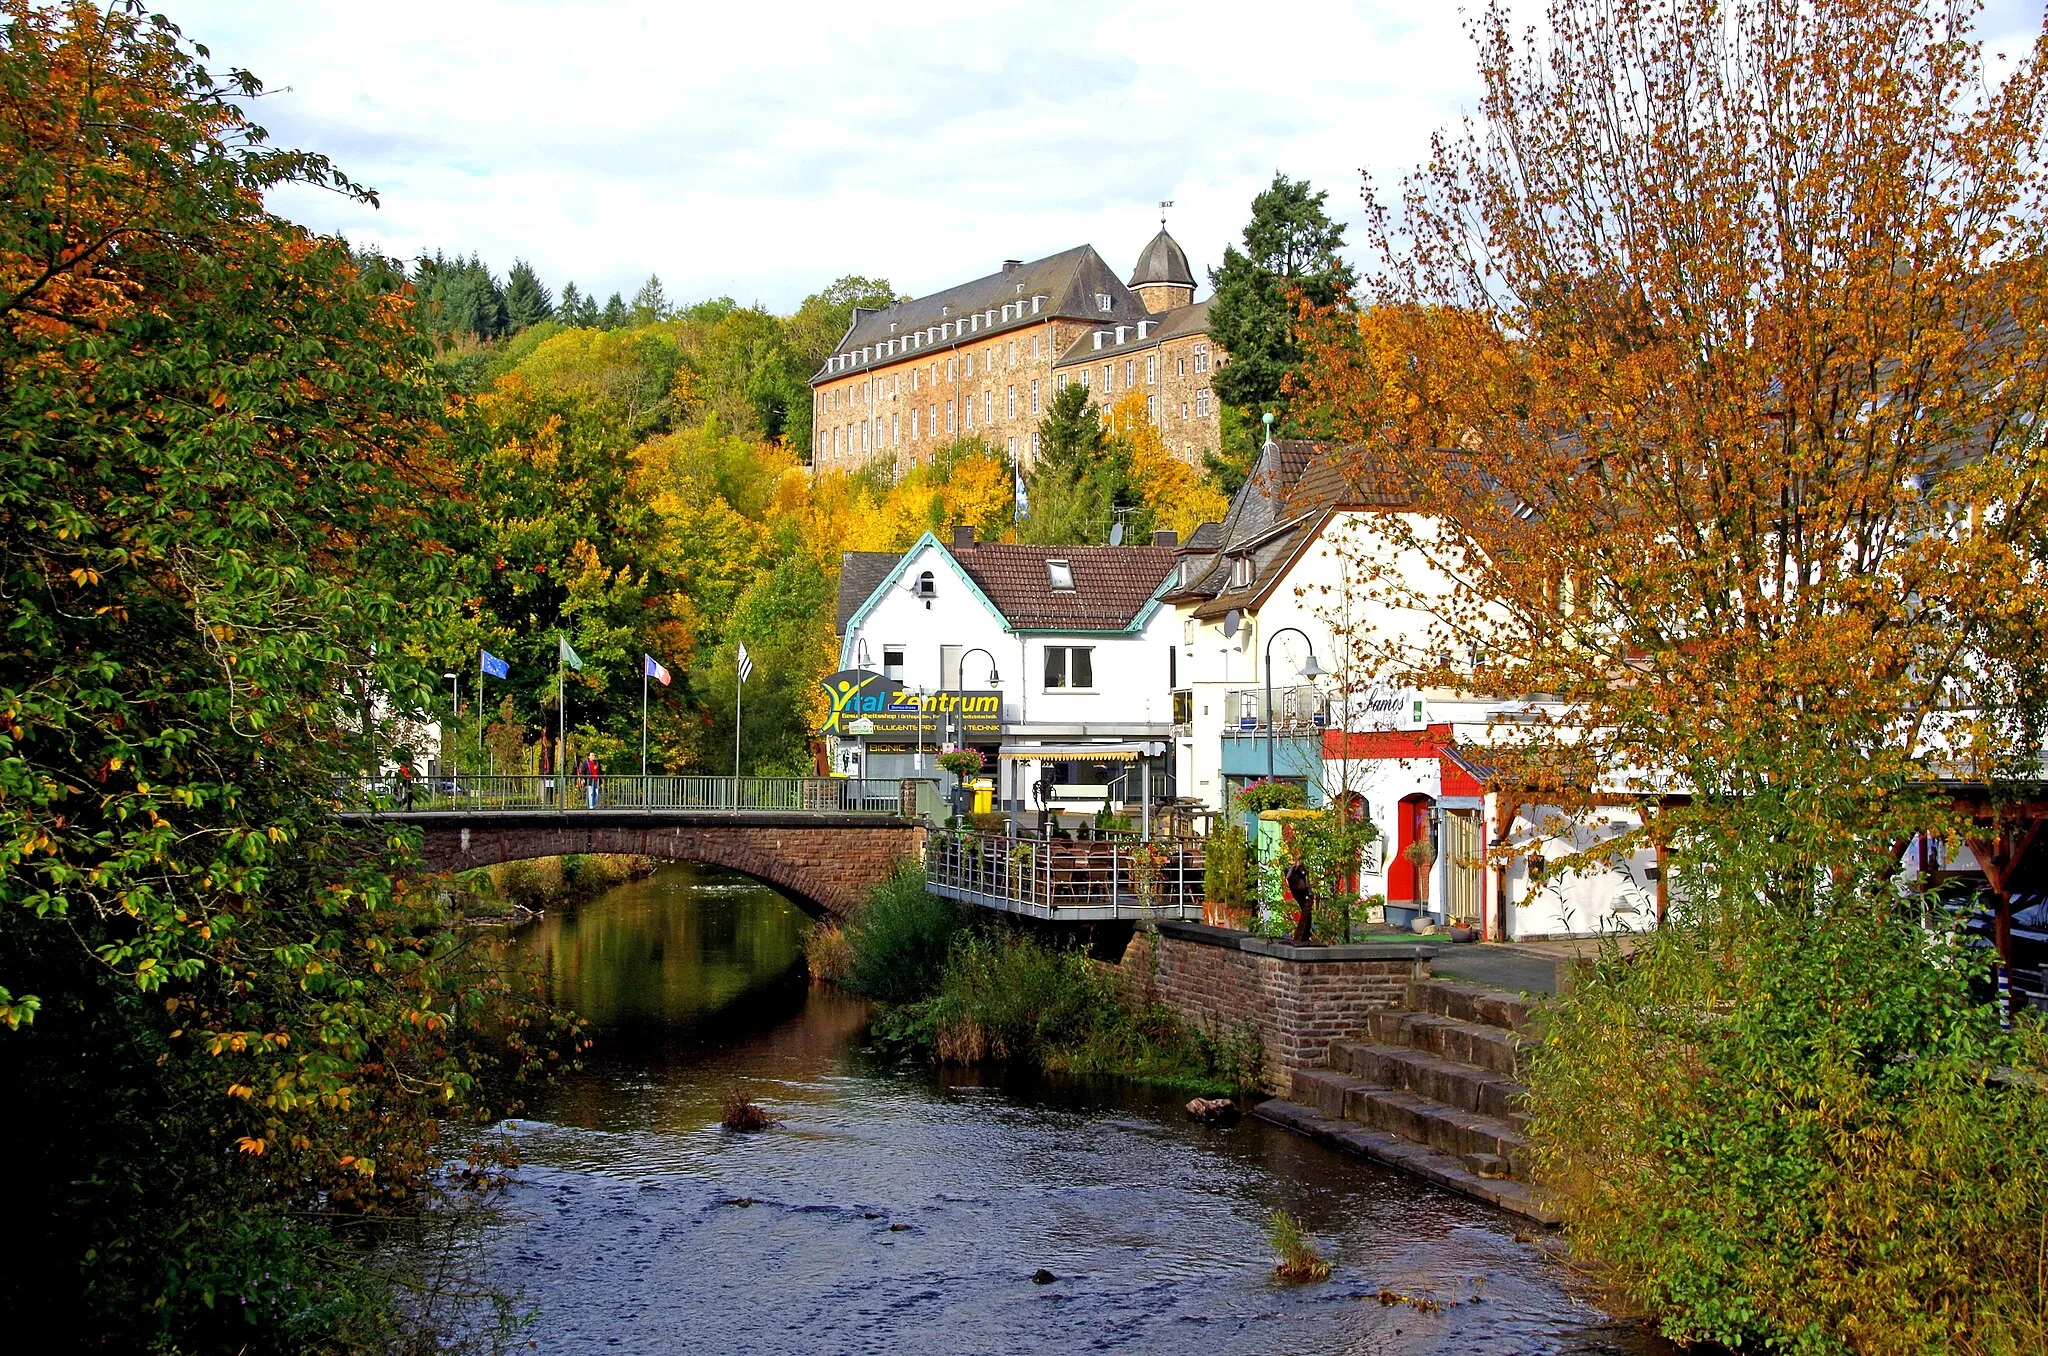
(1300, 710)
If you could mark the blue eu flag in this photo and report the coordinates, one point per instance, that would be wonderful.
(494, 666)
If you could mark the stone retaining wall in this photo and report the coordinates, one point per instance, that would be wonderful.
(1299, 998)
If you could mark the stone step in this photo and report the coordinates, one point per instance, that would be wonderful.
(1452, 1082)
(1521, 1198)
(1471, 1003)
(1446, 1129)
(1488, 1047)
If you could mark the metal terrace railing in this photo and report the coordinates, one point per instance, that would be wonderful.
(488, 794)
(1301, 709)
(1070, 879)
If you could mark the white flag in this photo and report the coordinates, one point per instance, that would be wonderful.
(746, 664)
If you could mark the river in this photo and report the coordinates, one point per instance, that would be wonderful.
(896, 1210)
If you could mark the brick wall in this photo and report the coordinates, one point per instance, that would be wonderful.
(827, 867)
(1298, 998)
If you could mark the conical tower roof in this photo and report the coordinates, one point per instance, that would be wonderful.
(1163, 263)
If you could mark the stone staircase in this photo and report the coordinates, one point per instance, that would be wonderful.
(1432, 1090)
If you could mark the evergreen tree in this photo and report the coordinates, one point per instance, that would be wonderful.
(570, 304)
(1290, 247)
(614, 314)
(650, 303)
(1082, 476)
(527, 301)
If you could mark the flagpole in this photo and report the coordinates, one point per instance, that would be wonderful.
(643, 716)
(739, 693)
(561, 718)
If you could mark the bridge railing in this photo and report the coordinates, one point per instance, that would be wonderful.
(483, 794)
(1068, 878)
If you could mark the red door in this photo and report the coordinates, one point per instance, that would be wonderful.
(1411, 824)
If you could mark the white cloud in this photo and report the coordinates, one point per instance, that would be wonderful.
(762, 150)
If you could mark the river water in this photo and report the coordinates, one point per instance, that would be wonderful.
(898, 1211)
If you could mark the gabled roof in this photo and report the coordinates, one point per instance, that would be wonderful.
(1276, 513)
(1112, 584)
(860, 574)
(1068, 285)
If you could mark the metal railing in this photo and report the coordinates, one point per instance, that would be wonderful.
(484, 794)
(1068, 878)
(1294, 708)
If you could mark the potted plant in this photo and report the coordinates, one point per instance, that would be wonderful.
(1421, 854)
(962, 763)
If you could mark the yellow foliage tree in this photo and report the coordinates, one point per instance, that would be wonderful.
(1174, 492)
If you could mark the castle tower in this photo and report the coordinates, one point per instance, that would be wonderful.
(1162, 279)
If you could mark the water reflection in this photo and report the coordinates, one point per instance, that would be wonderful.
(895, 1211)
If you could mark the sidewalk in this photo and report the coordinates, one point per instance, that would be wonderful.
(1520, 967)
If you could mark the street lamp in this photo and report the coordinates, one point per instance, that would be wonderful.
(960, 688)
(1310, 670)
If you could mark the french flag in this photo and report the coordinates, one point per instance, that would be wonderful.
(655, 670)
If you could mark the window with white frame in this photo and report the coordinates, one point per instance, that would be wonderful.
(1130, 373)
(968, 369)
(1059, 382)
(1103, 302)
(1013, 402)
(1059, 575)
(1183, 409)
(988, 407)
(1013, 351)
(1242, 572)
(1108, 370)
(949, 418)
(1084, 378)
(1034, 395)
(1183, 367)
(1069, 667)
(1152, 408)
(1202, 404)
(1034, 447)
(913, 425)
(1151, 368)
(892, 663)
(895, 428)
(967, 413)
(1201, 357)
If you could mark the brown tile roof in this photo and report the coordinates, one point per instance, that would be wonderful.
(1112, 584)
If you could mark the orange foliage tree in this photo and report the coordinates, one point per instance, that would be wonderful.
(1716, 351)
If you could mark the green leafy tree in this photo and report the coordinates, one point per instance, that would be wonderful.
(527, 300)
(223, 507)
(1290, 254)
(809, 336)
(650, 303)
(785, 619)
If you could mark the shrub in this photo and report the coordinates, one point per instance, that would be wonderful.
(1808, 1137)
(1269, 794)
(900, 939)
(1226, 865)
(827, 954)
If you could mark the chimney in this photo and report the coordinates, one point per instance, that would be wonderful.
(963, 536)
(1012, 265)
(1166, 538)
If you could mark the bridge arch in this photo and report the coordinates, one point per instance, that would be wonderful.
(828, 863)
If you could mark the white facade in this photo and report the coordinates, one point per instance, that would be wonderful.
(929, 614)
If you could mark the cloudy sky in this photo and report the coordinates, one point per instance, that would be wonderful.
(761, 148)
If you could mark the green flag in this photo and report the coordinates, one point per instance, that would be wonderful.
(569, 656)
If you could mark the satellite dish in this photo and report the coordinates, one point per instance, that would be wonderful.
(1231, 621)
(1116, 533)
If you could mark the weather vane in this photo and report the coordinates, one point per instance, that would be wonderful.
(1162, 214)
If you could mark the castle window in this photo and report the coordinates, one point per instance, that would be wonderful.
(1152, 408)
(1102, 301)
(988, 406)
(949, 418)
(952, 368)
(1201, 404)
(913, 425)
(1183, 409)
(1013, 350)
(1059, 382)
(1034, 395)
(1013, 402)
(1201, 357)
(967, 413)
(1034, 447)
(1084, 378)
(968, 370)
(1108, 372)
(1151, 368)
(1130, 373)
(895, 428)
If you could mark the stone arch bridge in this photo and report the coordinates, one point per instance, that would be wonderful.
(825, 859)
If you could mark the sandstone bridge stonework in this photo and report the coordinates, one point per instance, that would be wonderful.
(826, 861)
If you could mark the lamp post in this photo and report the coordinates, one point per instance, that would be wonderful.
(1310, 670)
(960, 688)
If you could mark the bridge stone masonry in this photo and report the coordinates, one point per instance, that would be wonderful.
(825, 860)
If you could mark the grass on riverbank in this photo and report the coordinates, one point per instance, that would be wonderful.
(968, 992)
(512, 888)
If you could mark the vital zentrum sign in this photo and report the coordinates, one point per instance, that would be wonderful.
(900, 713)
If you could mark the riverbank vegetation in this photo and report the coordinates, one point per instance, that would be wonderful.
(1734, 316)
(974, 991)
(552, 882)
(241, 1040)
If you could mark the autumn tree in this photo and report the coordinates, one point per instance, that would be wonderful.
(1713, 353)
(229, 1024)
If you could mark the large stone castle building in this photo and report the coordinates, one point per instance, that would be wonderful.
(983, 359)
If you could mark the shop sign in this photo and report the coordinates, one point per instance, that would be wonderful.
(888, 710)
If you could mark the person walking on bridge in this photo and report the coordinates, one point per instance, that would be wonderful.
(591, 774)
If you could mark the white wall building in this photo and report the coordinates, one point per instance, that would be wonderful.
(1080, 643)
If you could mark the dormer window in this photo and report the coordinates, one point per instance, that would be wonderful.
(1103, 301)
(1242, 572)
(1060, 575)
(927, 588)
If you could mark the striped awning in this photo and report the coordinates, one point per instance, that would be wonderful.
(1081, 753)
